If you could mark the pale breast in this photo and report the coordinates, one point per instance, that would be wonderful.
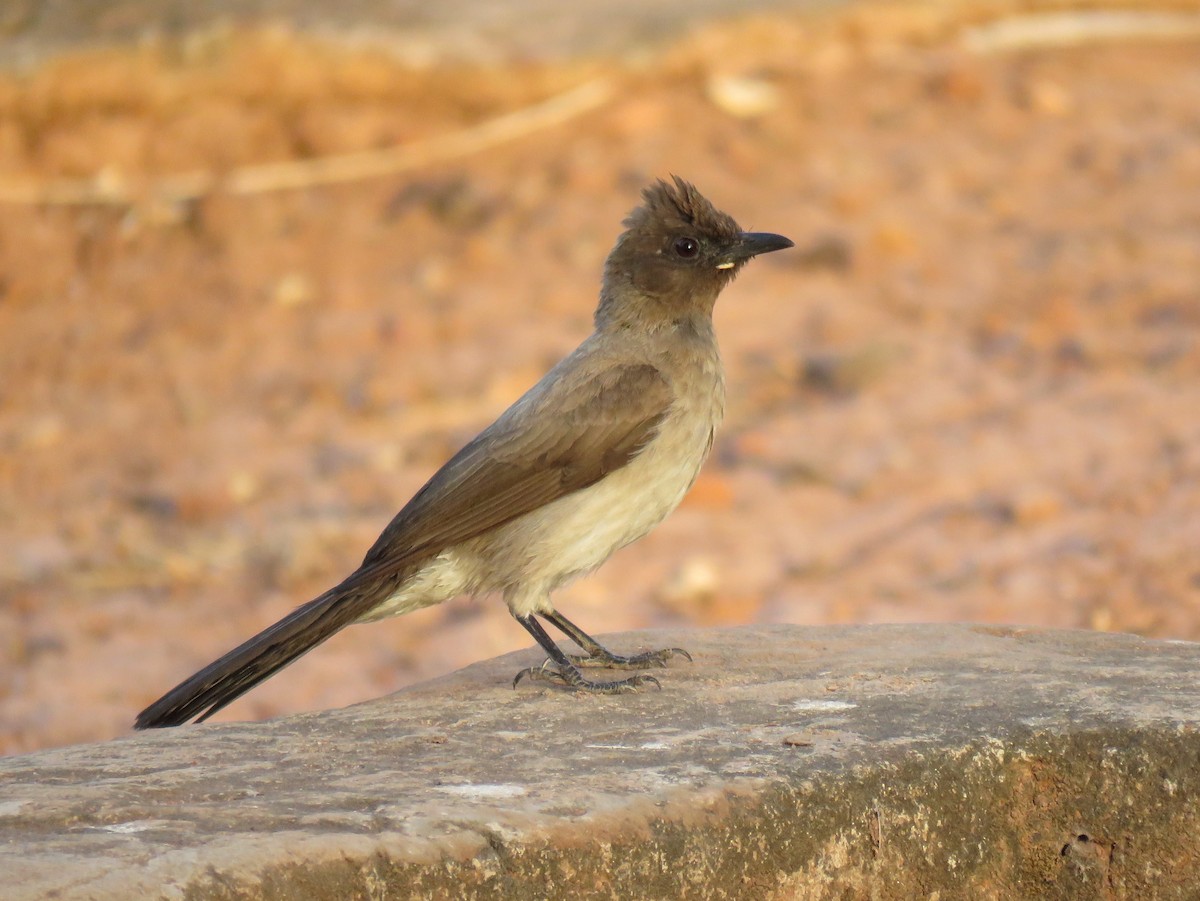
(579, 532)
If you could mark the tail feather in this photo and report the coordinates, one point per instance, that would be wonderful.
(226, 679)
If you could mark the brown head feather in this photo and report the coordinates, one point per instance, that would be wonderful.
(679, 206)
(647, 283)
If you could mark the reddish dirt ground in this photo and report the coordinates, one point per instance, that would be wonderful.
(971, 393)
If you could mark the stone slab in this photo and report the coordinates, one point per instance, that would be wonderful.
(884, 762)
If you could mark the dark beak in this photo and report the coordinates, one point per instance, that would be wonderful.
(751, 244)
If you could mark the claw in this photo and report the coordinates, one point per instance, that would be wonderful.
(571, 678)
(546, 672)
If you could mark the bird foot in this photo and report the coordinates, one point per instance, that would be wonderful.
(609, 660)
(570, 677)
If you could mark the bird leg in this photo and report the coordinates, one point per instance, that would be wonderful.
(559, 670)
(598, 655)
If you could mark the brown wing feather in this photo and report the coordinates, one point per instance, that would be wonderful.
(536, 453)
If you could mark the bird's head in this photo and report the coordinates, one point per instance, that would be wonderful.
(678, 251)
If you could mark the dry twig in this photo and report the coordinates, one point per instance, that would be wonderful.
(110, 189)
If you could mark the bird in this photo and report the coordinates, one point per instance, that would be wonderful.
(588, 460)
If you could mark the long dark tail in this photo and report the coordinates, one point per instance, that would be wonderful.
(224, 680)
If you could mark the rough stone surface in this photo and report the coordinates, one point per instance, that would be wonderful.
(882, 762)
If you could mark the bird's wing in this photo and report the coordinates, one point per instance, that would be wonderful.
(548, 445)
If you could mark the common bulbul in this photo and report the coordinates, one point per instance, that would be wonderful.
(590, 459)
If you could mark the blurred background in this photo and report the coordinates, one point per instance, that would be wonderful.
(261, 273)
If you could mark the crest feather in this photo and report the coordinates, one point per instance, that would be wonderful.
(677, 204)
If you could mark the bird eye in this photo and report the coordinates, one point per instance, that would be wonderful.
(687, 247)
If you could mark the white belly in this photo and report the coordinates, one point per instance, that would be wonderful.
(577, 533)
